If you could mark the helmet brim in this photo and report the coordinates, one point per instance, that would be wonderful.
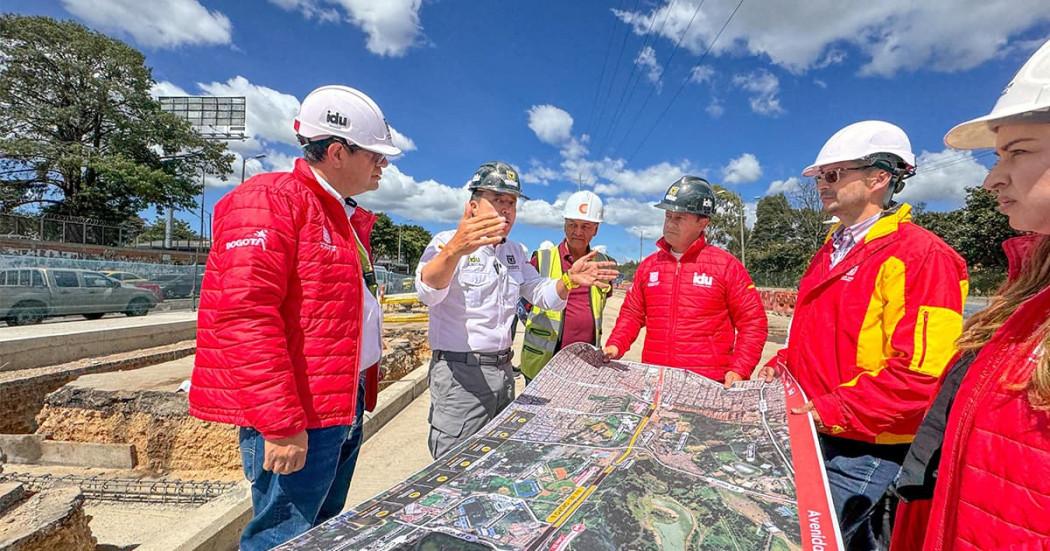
(676, 208)
(980, 133)
(519, 194)
(382, 149)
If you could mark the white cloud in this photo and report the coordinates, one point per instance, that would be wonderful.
(392, 26)
(418, 200)
(638, 218)
(742, 170)
(155, 23)
(311, 9)
(820, 83)
(539, 174)
(701, 74)
(715, 109)
(165, 88)
(653, 70)
(552, 125)
(891, 36)
(787, 187)
(950, 172)
(269, 113)
(401, 141)
(764, 87)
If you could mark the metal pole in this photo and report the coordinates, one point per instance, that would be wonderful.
(243, 162)
(743, 260)
(399, 244)
(200, 237)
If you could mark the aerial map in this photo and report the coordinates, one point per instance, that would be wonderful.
(617, 456)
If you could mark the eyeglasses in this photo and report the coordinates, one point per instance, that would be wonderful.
(834, 175)
(377, 158)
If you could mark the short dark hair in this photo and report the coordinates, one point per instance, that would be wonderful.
(317, 150)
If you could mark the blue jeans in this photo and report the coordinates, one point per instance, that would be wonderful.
(285, 506)
(859, 474)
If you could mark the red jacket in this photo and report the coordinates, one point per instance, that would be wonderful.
(993, 482)
(702, 313)
(870, 337)
(278, 332)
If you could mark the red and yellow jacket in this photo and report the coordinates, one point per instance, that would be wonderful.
(870, 337)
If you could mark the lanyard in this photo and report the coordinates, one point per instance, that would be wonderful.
(366, 265)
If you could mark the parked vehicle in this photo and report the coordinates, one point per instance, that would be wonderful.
(177, 285)
(28, 295)
(136, 280)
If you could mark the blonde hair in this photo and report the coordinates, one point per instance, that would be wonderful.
(1034, 276)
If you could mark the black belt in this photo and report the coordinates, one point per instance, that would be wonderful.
(475, 358)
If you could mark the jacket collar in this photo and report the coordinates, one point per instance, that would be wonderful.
(888, 224)
(691, 253)
(363, 219)
(1018, 252)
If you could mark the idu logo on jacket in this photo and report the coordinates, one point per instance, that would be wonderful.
(703, 280)
(654, 279)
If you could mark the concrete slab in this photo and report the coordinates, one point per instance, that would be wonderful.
(10, 494)
(215, 526)
(87, 454)
(165, 376)
(21, 448)
(49, 344)
(33, 449)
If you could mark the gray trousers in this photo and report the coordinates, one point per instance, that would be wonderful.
(463, 398)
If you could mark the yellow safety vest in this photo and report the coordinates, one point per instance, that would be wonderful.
(543, 327)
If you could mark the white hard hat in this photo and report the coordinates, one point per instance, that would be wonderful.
(545, 245)
(1026, 95)
(584, 205)
(861, 140)
(347, 113)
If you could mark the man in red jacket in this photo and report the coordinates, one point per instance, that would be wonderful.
(697, 302)
(875, 322)
(289, 325)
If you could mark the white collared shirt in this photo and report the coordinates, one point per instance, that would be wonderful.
(475, 312)
(845, 238)
(372, 318)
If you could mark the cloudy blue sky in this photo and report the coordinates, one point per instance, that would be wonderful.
(622, 97)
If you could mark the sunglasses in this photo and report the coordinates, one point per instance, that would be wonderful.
(834, 175)
(377, 158)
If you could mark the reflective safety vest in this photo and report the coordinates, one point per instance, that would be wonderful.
(543, 327)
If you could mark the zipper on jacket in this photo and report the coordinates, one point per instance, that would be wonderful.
(674, 308)
(925, 328)
(966, 422)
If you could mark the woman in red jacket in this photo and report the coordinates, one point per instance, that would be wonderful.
(993, 481)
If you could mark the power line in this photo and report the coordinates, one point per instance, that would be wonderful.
(616, 72)
(667, 65)
(685, 81)
(605, 63)
(631, 81)
(947, 162)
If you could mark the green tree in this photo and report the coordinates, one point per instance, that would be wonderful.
(82, 136)
(977, 232)
(414, 240)
(724, 229)
(180, 230)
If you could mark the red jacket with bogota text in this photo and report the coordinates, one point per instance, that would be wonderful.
(701, 313)
(993, 481)
(278, 333)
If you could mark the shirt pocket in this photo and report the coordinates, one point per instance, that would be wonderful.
(476, 285)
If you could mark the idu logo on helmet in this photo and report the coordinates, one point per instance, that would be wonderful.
(335, 118)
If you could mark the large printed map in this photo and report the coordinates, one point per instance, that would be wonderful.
(615, 456)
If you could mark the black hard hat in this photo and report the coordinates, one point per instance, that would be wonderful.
(689, 194)
(496, 176)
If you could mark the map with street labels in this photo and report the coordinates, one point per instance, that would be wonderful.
(615, 456)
